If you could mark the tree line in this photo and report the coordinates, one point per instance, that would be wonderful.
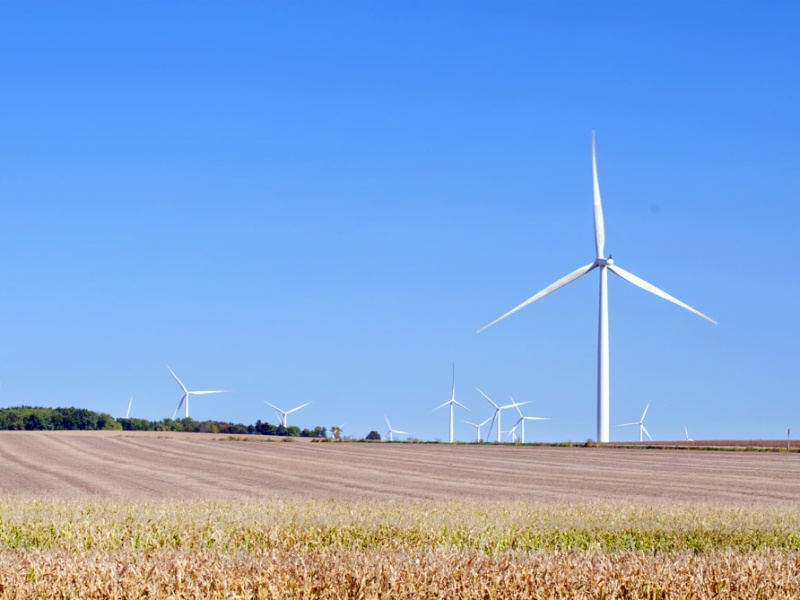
(32, 418)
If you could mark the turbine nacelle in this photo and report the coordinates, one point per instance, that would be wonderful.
(603, 262)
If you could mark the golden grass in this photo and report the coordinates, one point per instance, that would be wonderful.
(398, 549)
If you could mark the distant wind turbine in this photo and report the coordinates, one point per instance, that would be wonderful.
(640, 423)
(187, 393)
(391, 431)
(285, 413)
(605, 265)
(452, 402)
(686, 434)
(522, 420)
(128, 412)
(478, 427)
(497, 410)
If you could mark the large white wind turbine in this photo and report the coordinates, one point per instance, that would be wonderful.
(640, 423)
(284, 413)
(478, 426)
(187, 393)
(452, 402)
(523, 418)
(605, 264)
(497, 411)
(391, 431)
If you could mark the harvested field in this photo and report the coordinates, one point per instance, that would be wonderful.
(110, 514)
(125, 466)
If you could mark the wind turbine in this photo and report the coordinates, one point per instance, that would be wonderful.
(391, 431)
(686, 434)
(497, 411)
(284, 413)
(187, 393)
(640, 423)
(128, 412)
(523, 418)
(605, 264)
(478, 426)
(452, 402)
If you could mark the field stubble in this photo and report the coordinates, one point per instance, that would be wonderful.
(350, 534)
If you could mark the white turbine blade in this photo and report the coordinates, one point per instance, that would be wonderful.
(638, 281)
(209, 392)
(453, 393)
(514, 404)
(548, 290)
(298, 408)
(644, 413)
(457, 403)
(536, 418)
(398, 431)
(180, 383)
(487, 397)
(470, 423)
(599, 225)
(179, 404)
(128, 412)
(628, 424)
(273, 406)
(486, 421)
(646, 432)
(387, 422)
(441, 406)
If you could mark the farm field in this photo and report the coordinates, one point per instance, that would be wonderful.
(114, 514)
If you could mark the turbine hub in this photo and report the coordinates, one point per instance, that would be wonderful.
(604, 262)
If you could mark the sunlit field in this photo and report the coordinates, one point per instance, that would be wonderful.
(395, 549)
(105, 515)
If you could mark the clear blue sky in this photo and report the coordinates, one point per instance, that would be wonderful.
(318, 201)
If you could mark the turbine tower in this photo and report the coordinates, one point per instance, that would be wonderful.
(640, 423)
(605, 264)
(452, 402)
(187, 393)
(284, 413)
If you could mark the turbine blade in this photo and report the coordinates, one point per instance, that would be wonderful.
(298, 408)
(628, 424)
(208, 392)
(177, 408)
(441, 406)
(273, 406)
(646, 432)
(453, 393)
(489, 399)
(638, 281)
(486, 421)
(644, 413)
(387, 422)
(548, 290)
(536, 418)
(470, 423)
(398, 431)
(599, 225)
(180, 383)
(514, 404)
(457, 403)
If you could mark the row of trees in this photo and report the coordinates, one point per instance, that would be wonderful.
(33, 418)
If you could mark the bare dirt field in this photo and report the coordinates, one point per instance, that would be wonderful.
(125, 466)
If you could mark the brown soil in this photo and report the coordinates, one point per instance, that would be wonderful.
(122, 466)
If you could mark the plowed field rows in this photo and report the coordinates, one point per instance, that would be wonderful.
(129, 466)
